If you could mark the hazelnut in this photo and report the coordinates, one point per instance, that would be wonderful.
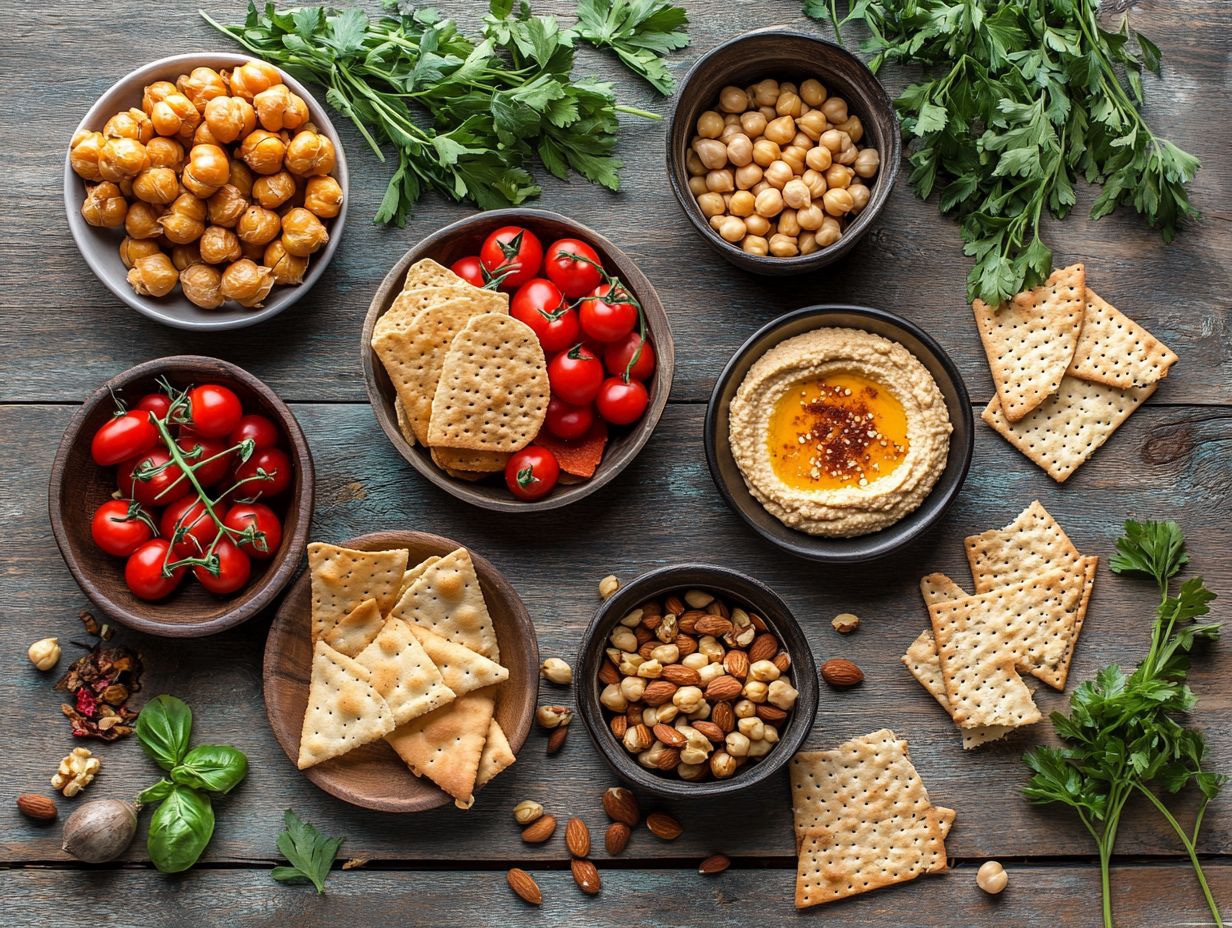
(527, 811)
(550, 717)
(992, 877)
(44, 653)
(554, 670)
(608, 585)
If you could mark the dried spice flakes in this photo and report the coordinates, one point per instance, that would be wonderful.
(101, 683)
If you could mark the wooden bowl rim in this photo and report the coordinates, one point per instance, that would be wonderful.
(113, 274)
(609, 468)
(275, 578)
(424, 794)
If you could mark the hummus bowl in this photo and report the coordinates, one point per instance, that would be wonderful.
(850, 493)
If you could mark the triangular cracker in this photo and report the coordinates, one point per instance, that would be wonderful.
(1066, 429)
(344, 708)
(1115, 350)
(342, 579)
(497, 756)
(428, 273)
(462, 669)
(403, 673)
(493, 390)
(445, 745)
(448, 600)
(355, 630)
(414, 573)
(1031, 340)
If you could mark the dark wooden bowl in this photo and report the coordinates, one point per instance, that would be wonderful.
(373, 776)
(726, 472)
(739, 589)
(463, 238)
(79, 486)
(783, 55)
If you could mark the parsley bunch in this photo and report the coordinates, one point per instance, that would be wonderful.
(640, 32)
(1022, 98)
(1122, 736)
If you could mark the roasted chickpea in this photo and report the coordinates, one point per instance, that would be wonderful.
(812, 124)
(767, 112)
(818, 158)
(254, 253)
(165, 153)
(830, 232)
(810, 217)
(131, 124)
(302, 232)
(697, 185)
(241, 178)
(153, 275)
(853, 127)
(274, 190)
(185, 220)
(867, 162)
(748, 176)
(721, 181)
(202, 285)
(183, 256)
(796, 193)
(781, 130)
(742, 203)
(733, 100)
(732, 229)
(219, 246)
(263, 151)
(252, 77)
(323, 196)
(717, 221)
(766, 152)
(709, 124)
(838, 175)
(207, 170)
(769, 203)
(85, 155)
(835, 109)
(729, 120)
(258, 226)
(131, 249)
(121, 158)
(711, 204)
(807, 243)
(755, 245)
(104, 206)
(766, 92)
(246, 282)
(310, 154)
(753, 124)
(783, 246)
(277, 108)
(225, 207)
(229, 118)
(778, 174)
(712, 153)
(838, 202)
(788, 103)
(287, 268)
(153, 93)
(141, 221)
(203, 135)
(813, 92)
(757, 225)
(201, 86)
(175, 115)
(859, 197)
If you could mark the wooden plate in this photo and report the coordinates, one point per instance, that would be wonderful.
(373, 776)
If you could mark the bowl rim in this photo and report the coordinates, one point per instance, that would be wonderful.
(805, 548)
(149, 307)
(276, 578)
(887, 177)
(786, 628)
(635, 279)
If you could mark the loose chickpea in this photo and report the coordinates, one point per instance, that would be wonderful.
(226, 207)
(867, 163)
(287, 268)
(733, 100)
(721, 181)
(766, 152)
(156, 185)
(153, 275)
(788, 224)
(203, 136)
(782, 246)
(201, 86)
(759, 187)
(241, 178)
(853, 127)
(229, 118)
(104, 206)
(185, 220)
(829, 233)
(155, 92)
(323, 196)
(274, 190)
(141, 221)
(742, 203)
(838, 175)
(833, 139)
(693, 164)
(207, 170)
(712, 153)
(838, 202)
(860, 196)
(254, 253)
(302, 232)
(801, 141)
(810, 217)
(247, 282)
(732, 229)
(258, 226)
(755, 245)
(219, 246)
(753, 124)
(717, 220)
(85, 154)
(252, 77)
(263, 151)
(185, 256)
(697, 185)
(729, 132)
(796, 193)
(757, 225)
(793, 157)
(165, 153)
(175, 115)
(778, 174)
(781, 130)
(730, 119)
(769, 203)
(122, 158)
(126, 125)
(202, 285)
(277, 108)
(768, 112)
(848, 155)
(133, 249)
(748, 176)
(709, 124)
(788, 103)
(740, 150)
(835, 109)
(812, 124)
(807, 242)
(818, 158)
(711, 204)
(308, 154)
(766, 92)
(813, 92)
(816, 183)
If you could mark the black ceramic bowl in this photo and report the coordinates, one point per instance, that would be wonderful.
(726, 473)
(737, 589)
(784, 55)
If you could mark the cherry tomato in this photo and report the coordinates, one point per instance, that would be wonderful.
(213, 410)
(575, 278)
(470, 269)
(608, 315)
(512, 246)
(617, 355)
(568, 422)
(576, 375)
(153, 492)
(266, 523)
(196, 528)
(207, 473)
(117, 530)
(123, 437)
(532, 473)
(157, 403)
(622, 402)
(275, 463)
(540, 305)
(234, 569)
(143, 573)
(260, 429)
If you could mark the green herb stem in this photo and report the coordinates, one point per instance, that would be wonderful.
(1190, 848)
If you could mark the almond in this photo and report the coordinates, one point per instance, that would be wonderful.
(556, 740)
(640, 740)
(645, 650)
(724, 687)
(841, 673)
(674, 604)
(763, 648)
(577, 837)
(621, 806)
(634, 713)
(722, 714)
(782, 661)
(539, 830)
(758, 622)
(651, 620)
(620, 725)
(687, 644)
(772, 714)
(711, 731)
(714, 625)
(658, 692)
(716, 863)
(668, 759)
(642, 634)
(37, 807)
(736, 663)
(586, 875)
(681, 675)
(687, 622)
(651, 608)
(524, 885)
(669, 736)
(617, 837)
(608, 674)
(663, 826)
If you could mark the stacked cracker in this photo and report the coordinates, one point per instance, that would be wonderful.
(1069, 368)
(863, 819)
(1032, 587)
(408, 656)
(471, 381)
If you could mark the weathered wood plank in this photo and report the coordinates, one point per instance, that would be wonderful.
(70, 334)
(1166, 462)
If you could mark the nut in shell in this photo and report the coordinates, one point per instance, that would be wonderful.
(554, 670)
(527, 811)
(621, 806)
(577, 837)
(550, 717)
(586, 875)
(524, 886)
(539, 830)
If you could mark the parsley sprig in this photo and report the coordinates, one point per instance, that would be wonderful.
(310, 853)
(1123, 736)
(640, 32)
(1020, 100)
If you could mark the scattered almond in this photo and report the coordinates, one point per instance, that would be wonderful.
(577, 837)
(712, 731)
(556, 740)
(716, 863)
(539, 830)
(524, 886)
(681, 675)
(841, 673)
(723, 688)
(37, 807)
(621, 806)
(782, 661)
(617, 837)
(620, 725)
(586, 875)
(608, 673)
(667, 759)
(663, 826)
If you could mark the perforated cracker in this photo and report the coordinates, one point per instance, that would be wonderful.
(497, 755)
(428, 273)
(462, 669)
(344, 708)
(413, 300)
(1066, 429)
(922, 662)
(493, 390)
(403, 673)
(342, 578)
(404, 422)
(1115, 350)
(1030, 341)
(414, 573)
(355, 630)
(448, 600)
(472, 462)
(446, 744)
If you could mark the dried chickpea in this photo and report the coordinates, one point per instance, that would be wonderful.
(807, 242)
(153, 93)
(252, 77)
(834, 140)
(868, 160)
(258, 226)
(185, 220)
(201, 86)
(132, 249)
(766, 92)
(733, 100)
(742, 203)
(730, 129)
(185, 256)
(225, 207)
(810, 217)
(85, 154)
(847, 155)
(768, 112)
(781, 130)
(202, 285)
(712, 153)
(740, 150)
(778, 174)
(274, 190)
(783, 246)
(835, 109)
(829, 233)
(755, 245)
(717, 220)
(812, 124)
(816, 183)
(853, 127)
(788, 103)
(153, 275)
(818, 158)
(219, 246)
(709, 124)
(241, 178)
(207, 170)
(753, 123)
(302, 232)
(175, 115)
(263, 151)
(141, 221)
(697, 185)
(165, 153)
(796, 193)
(229, 118)
(838, 202)
(788, 224)
(793, 157)
(122, 158)
(732, 229)
(769, 202)
(323, 196)
(838, 175)
(748, 176)
(247, 282)
(711, 204)
(813, 92)
(693, 164)
(104, 206)
(766, 152)
(859, 197)
(130, 124)
(757, 225)
(308, 154)
(277, 108)
(721, 181)
(287, 268)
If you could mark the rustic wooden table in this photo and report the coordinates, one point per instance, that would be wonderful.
(62, 334)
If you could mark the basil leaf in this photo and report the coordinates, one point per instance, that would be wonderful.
(155, 793)
(163, 729)
(216, 768)
(180, 829)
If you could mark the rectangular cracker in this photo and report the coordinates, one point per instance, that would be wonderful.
(922, 662)
(497, 756)
(447, 599)
(462, 669)
(403, 674)
(474, 462)
(1115, 350)
(344, 708)
(408, 304)
(446, 744)
(342, 578)
(1066, 429)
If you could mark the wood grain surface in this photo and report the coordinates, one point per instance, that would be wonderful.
(62, 334)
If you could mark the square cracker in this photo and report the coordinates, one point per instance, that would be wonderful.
(344, 708)
(1115, 350)
(403, 673)
(1066, 429)
(413, 300)
(355, 630)
(462, 669)
(343, 578)
(447, 599)
(1030, 341)
(863, 819)
(493, 389)
(446, 744)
